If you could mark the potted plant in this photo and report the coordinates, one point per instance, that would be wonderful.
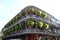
(9, 23)
(46, 26)
(39, 12)
(14, 20)
(5, 32)
(22, 25)
(31, 10)
(40, 24)
(22, 14)
(17, 18)
(8, 31)
(16, 28)
(49, 30)
(30, 23)
(13, 29)
(44, 15)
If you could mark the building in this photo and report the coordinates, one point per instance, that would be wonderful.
(32, 23)
(1, 34)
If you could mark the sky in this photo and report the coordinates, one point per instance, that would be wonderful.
(10, 8)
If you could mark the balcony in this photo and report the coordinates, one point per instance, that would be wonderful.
(33, 31)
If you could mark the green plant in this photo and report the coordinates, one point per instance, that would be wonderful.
(22, 14)
(39, 12)
(40, 24)
(44, 15)
(16, 17)
(10, 23)
(31, 10)
(22, 25)
(13, 29)
(9, 31)
(4, 32)
(46, 26)
(49, 30)
(14, 20)
(7, 25)
(30, 22)
(16, 27)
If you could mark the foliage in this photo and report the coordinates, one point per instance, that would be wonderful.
(30, 23)
(40, 24)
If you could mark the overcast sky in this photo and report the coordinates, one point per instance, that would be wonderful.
(9, 8)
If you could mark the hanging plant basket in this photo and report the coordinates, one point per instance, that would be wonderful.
(40, 24)
(44, 15)
(14, 20)
(13, 29)
(10, 23)
(46, 26)
(17, 18)
(16, 28)
(22, 14)
(8, 31)
(22, 25)
(30, 23)
(39, 12)
(4, 33)
(31, 10)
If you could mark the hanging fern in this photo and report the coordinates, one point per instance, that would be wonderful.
(14, 20)
(30, 23)
(39, 12)
(16, 27)
(46, 26)
(13, 29)
(31, 10)
(22, 14)
(44, 15)
(22, 25)
(40, 24)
